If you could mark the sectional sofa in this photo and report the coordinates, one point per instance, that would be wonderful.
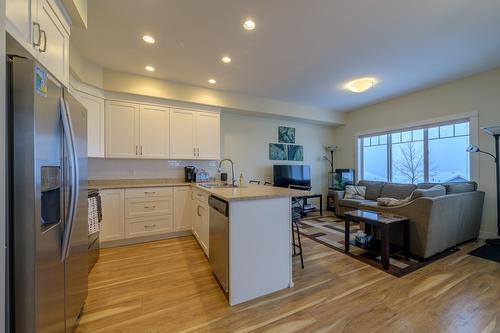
(441, 217)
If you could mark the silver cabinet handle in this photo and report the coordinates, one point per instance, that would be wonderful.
(136, 150)
(141, 150)
(198, 152)
(149, 192)
(198, 210)
(42, 32)
(194, 152)
(148, 207)
(37, 26)
(149, 226)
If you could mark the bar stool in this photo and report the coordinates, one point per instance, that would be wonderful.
(296, 245)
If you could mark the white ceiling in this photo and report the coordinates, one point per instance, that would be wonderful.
(302, 51)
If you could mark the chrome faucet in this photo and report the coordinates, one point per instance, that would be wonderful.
(233, 180)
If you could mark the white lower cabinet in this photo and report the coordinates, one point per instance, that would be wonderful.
(139, 212)
(113, 215)
(200, 215)
(182, 208)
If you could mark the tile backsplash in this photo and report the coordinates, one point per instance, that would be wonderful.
(100, 168)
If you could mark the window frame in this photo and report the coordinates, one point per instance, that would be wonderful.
(471, 117)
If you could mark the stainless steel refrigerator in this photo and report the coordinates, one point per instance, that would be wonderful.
(48, 201)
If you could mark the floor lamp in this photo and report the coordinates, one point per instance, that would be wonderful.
(495, 132)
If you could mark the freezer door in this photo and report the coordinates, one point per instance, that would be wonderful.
(77, 253)
(37, 213)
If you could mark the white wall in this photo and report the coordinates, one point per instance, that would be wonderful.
(245, 139)
(479, 93)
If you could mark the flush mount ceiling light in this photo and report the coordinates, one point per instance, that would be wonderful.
(149, 68)
(212, 81)
(148, 39)
(361, 85)
(226, 60)
(249, 25)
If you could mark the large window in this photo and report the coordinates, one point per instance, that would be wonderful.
(434, 153)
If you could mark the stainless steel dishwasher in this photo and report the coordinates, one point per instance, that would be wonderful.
(219, 240)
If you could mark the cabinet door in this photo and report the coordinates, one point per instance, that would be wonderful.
(182, 208)
(195, 216)
(122, 130)
(95, 123)
(208, 135)
(182, 135)
(53, 52)
(19, 23)
(154, 132)
(113, 215)
(204, 228)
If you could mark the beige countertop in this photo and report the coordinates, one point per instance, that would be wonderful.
(250, 192)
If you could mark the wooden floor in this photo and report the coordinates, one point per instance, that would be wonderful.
(167, 286)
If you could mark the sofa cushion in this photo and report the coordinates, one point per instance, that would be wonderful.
(352, 203)
(434, 191)
(397, 191)
(373, 188)
(355, 192)
(462, 187)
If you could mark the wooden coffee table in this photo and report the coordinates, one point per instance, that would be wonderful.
(384, 222)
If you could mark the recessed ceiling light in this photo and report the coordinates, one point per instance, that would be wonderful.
(212, 81)
(361, 85)
(148, 39)
(249, 25)
(149, 68)
(226, 60)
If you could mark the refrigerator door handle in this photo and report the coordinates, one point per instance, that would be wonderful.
(74, 178)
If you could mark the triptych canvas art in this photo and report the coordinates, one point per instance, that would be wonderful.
(286, 149)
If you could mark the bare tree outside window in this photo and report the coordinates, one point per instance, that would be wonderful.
(410, 163)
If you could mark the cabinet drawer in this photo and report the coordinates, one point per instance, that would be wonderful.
(149, 192)
(148, 207)
(149, 226)
(202, 197)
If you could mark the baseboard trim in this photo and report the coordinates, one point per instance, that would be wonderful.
(487, 235)
(145, 239)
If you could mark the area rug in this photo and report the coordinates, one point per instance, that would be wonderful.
(489, 252)
(329, 231)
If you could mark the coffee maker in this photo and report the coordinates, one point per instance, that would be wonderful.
(190, 174)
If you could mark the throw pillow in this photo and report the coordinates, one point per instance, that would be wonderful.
(434, 191)
(355, 192)
(388, 202)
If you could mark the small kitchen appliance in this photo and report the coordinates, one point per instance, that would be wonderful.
(190, 174)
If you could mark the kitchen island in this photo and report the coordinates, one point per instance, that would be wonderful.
(259, 238)
(259, 259)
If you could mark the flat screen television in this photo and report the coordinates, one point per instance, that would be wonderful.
(284, 175)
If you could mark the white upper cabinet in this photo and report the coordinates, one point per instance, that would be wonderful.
(43, 30)
(182, 134)
(194, 135)
(208, 135)
(154, 132)
(137, 131)
(19, 21)
(53, 52)
(95, 122)
(122, 127)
